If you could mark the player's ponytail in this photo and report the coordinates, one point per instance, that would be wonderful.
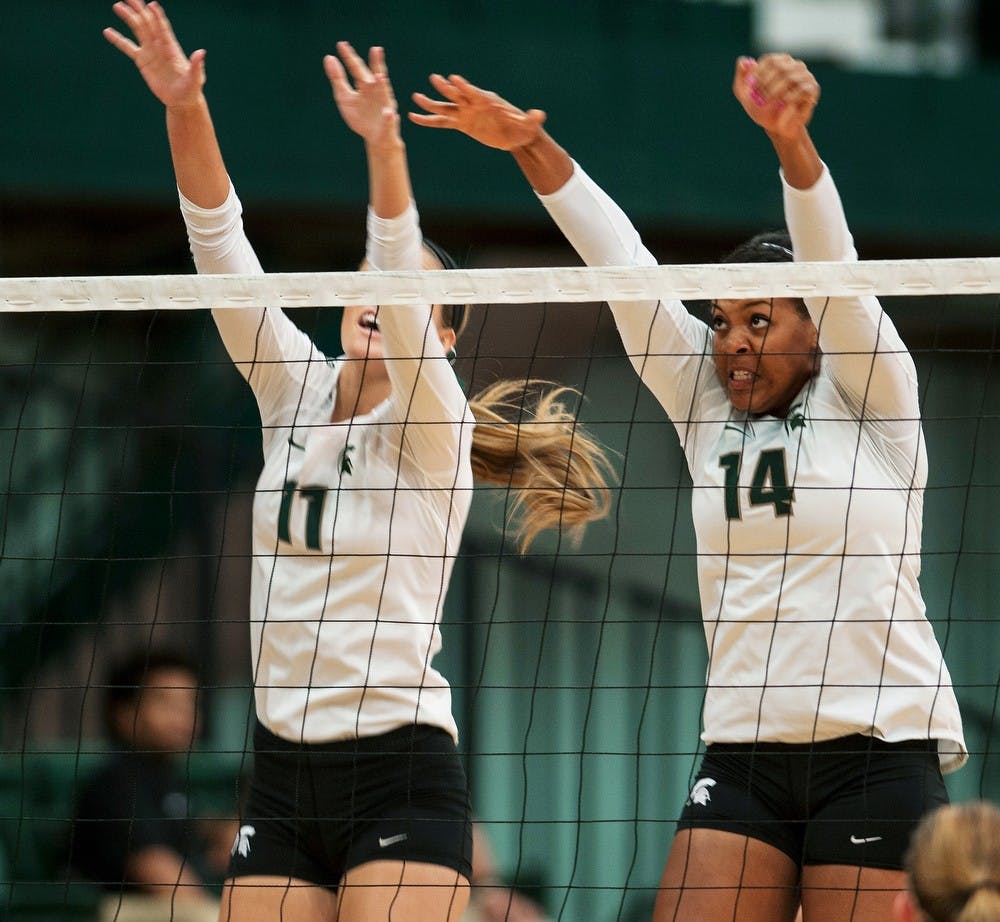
(954, 864)
(527, 440)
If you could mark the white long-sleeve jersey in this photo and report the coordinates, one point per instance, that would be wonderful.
(808, 527)
(355, 524)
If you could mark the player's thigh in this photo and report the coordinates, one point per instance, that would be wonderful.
(712, 874)
(399, 891)
(276, 899)
(842, 893)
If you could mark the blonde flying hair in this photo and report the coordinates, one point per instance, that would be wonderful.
(528, 440)
(954, 864)
(556, 471)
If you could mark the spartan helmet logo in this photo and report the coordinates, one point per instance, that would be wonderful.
(242, 843)
(700, 793)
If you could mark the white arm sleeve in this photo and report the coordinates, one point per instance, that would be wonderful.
(426, 394)
(862, 350)
(270, 352)
(669, 348)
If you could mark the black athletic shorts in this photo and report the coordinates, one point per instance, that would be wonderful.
(854, 800)
(314, 811)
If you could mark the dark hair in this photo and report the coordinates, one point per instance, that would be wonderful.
(444, 257)
(127, 679)
(768, 247)
(455, 316)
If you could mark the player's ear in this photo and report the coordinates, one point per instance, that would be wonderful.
(447, 336)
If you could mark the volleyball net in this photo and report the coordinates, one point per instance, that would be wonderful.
(129, 449)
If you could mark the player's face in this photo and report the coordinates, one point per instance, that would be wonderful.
(360, 337)
(765, 352)
(164, 717)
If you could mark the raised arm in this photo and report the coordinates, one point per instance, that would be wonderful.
(178, 82)
(369, 110)
(862, 349)
(665, 343)
(780, 94)
(424, 388)
(259, 341)
(492, 121)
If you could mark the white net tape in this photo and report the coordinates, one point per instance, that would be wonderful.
(487, 286)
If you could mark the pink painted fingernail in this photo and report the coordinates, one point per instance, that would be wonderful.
(756, 96)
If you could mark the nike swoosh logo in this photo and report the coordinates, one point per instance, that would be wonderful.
(295, 444)
(391, 840)
(856, 841)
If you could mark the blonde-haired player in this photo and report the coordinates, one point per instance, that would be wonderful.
(358, 807)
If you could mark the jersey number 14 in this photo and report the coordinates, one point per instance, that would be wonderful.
(768, 487)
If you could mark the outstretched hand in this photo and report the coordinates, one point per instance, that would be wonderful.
(482, 115)
(174, 79)
(369, 106)
(778, 92)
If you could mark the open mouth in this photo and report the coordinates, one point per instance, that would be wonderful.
(368, 321)
(741, 377)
